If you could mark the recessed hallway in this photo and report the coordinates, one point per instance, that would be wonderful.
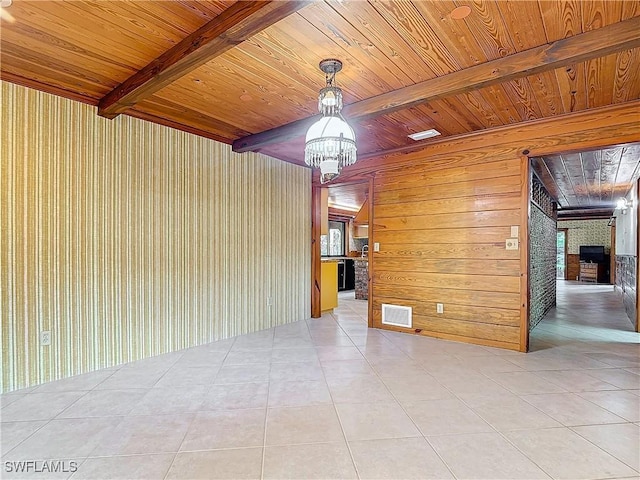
(588, 315)
(329, 398)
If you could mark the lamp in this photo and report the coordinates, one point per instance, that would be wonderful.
(622, 204)
(330, 143)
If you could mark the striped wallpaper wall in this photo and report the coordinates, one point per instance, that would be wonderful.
(127, 239)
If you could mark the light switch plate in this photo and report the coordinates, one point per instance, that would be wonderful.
(515, 231)
(511, 244)
(439, 308)
(376, 246)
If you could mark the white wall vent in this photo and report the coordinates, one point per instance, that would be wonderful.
(396, 315)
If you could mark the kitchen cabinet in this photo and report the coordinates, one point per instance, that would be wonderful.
(362, 217)
(329, 285)
(361, 221)
(360, 231)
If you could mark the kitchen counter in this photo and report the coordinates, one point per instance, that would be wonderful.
(337, 259)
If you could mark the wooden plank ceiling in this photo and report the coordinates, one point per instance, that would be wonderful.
(254, 71)
(348, 197)
(592, 180)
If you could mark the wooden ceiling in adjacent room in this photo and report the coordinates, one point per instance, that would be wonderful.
(247, 72)
(348, 196)
(589, 182)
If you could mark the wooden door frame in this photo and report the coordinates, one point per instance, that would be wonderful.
(370, 255)
(526, 178)
(637, 254)
(316, 265)
(316, 261)
(566, 249)
(612, 256)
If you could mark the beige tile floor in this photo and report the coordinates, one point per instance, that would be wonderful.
(328, 398)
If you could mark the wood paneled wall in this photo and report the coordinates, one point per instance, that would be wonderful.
(127, 239)
(441, 215)
(442, 234)
(573, 266)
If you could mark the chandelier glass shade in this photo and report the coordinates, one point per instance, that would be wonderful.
(330, 143)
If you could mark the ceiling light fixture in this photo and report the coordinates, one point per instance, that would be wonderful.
(622, 204)
(426, 134)
(330, 143)
(4, 13)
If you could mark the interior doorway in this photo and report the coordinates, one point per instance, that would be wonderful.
(586, 187)
(342, 252)
(561, 254)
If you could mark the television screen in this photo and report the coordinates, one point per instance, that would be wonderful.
(592, 253)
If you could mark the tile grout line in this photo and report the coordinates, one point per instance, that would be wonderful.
(597, 446)
(194, 414)
(381, 380)
(266, 412)
(503, 435)
(335, 408)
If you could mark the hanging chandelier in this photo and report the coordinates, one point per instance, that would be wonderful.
(331, 143)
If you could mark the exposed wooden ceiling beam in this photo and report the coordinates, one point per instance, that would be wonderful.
(233, 26)
(585, 213)
(597, 43)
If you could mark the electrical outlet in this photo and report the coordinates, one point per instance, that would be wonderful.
(439, 307)
(511, 244)
(376, 246)
(45, 338)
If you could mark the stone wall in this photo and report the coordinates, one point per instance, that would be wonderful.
(626, 284)
(362, 279)
(542, 256)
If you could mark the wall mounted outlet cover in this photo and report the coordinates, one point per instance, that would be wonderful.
(376, 246)
(45, 338)
(511, 244)
(439, 308)
(515, 231)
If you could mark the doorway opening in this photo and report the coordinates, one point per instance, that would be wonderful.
(584, 188)
(344, 249)
(561, 254)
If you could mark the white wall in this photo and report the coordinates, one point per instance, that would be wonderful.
(626, 226)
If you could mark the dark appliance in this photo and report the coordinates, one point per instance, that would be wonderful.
(349, 275)
(592, 254)
(341, 275)
(346, 275)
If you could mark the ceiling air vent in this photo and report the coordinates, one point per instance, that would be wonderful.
(396, 315)
(426, 134)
